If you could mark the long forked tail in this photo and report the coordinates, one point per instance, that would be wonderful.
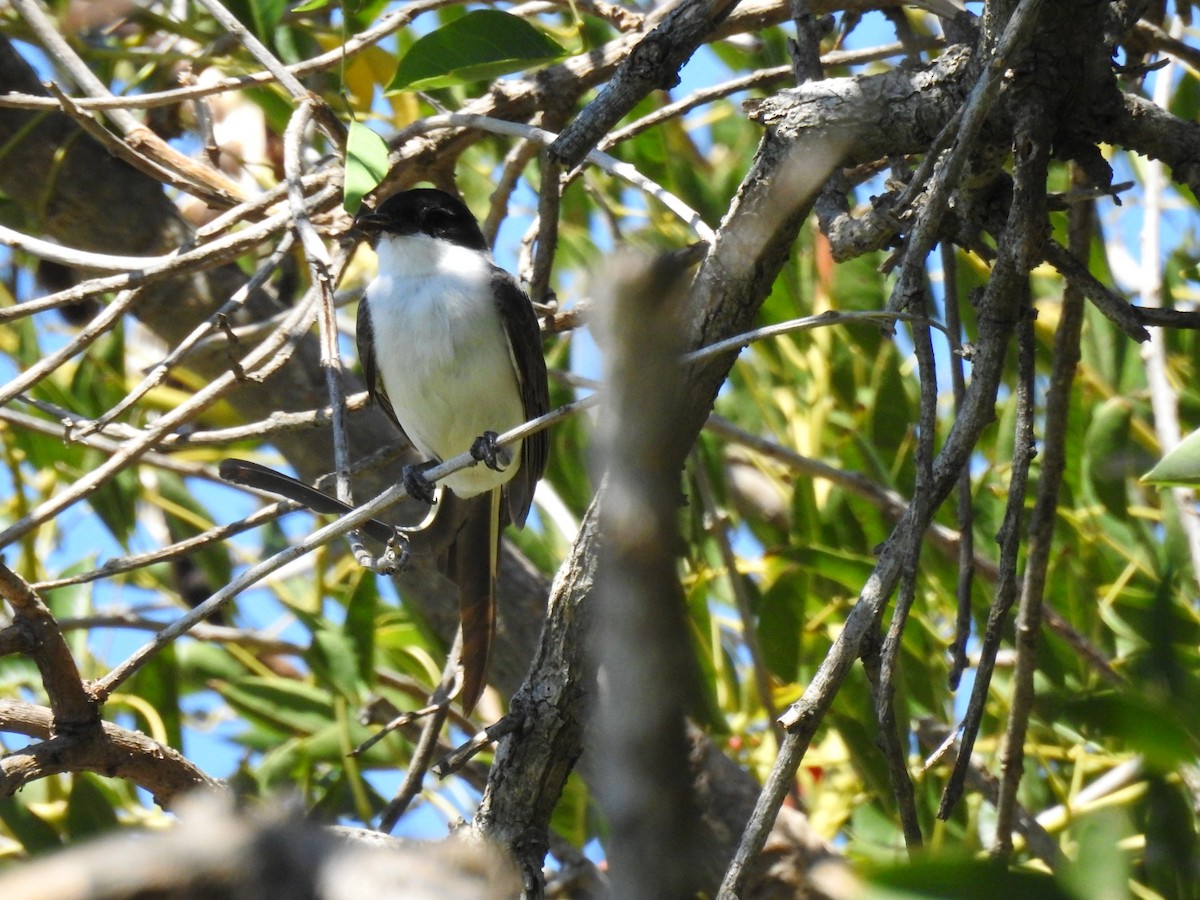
(475, 559)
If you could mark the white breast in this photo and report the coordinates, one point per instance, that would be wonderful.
(442, 353)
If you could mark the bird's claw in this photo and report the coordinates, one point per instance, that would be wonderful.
(417, 484)
(485, 451)
(397, 554)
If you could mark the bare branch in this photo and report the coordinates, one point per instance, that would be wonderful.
(116, 752)
(75, 712)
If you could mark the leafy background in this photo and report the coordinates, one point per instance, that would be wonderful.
(274, 703)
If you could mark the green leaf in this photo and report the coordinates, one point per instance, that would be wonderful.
(366, 164)
(1172, 851)
(780, 623)
(26, 826)
(212, 561)
(1180, 466)
(359, 626)
(310, 6)
(293, 761)
(1101, 868)
(482, 45)
(1107, 449)
(952, 877)
(1139, 723)
(114, 501)
(158, 684)
(848, 569)
(570, 816)
(288, 706)
(89, 808)
(1185, 103)
(334, 661)
(260, 16)
(200, 662)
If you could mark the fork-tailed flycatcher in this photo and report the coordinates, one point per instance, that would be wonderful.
(451, 349)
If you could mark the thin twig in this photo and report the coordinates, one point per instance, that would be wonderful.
(388, 24)
(1012, 755)
(104, 444)
(964, 131)
(261, 204)
(964, 513)
(481, 740)
(138, 134)
(272, 352)
(204, 256)
(44, 367)
(422, 754)
(82, 259)
(893, 734)
(603, 161)
(159, 371)
(274, 425)
(1114, 307)
(317, 107)
(257, 641)
(217, 535)
(620, 17)
(719, 531)
(515, 161)
(229, 336)
(1041, 532)
(549, 205)
(209, 190)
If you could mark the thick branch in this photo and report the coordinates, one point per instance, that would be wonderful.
(643, 782)
(75, 712)
(654, 63)
(532, 766)
(1152, 131)
(111, 751)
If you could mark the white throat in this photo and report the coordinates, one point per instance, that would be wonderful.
(419, 255)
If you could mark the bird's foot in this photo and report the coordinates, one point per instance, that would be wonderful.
(416, 483)
(485, 450)
(396, 556)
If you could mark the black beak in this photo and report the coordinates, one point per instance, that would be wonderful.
(370, 223)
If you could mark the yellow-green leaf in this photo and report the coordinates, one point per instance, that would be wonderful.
(366, 164)
(481, 45)
(1180, 466)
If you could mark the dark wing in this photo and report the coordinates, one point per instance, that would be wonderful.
(525, 338)
(365, 337)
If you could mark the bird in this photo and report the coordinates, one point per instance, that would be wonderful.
(451, 350)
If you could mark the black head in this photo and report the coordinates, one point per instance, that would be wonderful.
(424, 211)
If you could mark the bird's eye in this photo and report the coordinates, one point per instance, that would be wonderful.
(438, 221)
